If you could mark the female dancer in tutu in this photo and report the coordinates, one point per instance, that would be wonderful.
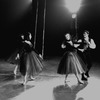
(71, 62)
(30, 63)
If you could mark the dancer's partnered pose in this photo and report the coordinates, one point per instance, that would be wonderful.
(71, 62)
(86, 45)
(30, 63)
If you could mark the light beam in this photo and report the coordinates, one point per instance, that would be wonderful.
(73, 5)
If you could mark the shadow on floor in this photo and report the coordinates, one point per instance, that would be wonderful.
(64, 92)
(12, 90)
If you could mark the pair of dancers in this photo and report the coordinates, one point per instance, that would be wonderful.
(73, 61)
(29, 61)
(76, 58)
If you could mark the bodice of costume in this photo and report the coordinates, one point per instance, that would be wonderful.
(24, 48)
(69, 47)
(27, 48)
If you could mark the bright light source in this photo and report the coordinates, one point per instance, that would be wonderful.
(74, 15)
(30, 1)
(73, 5)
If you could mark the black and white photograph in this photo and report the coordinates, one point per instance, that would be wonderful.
(50, 50)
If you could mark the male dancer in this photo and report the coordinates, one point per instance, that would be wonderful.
(87, 44)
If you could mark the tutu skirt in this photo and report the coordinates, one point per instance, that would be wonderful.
(30, 63)
(71, 63)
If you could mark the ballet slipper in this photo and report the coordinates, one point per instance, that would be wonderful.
(24, 83)
(80, 82)
(32, 77)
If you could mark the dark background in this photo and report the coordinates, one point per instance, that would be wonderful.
(18, 16)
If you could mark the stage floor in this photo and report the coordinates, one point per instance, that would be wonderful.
(48, 85)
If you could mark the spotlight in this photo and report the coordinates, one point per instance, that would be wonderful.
(74, 15)
(73, 5)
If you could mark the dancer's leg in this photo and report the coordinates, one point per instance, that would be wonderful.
(25, 78)
(78, 78)
(65, 78)
(15, 71)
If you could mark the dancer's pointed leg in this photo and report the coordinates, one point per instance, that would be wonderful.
(79, 80)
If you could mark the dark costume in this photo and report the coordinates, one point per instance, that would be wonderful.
(71, 62)
(86, 53)
(29, 60)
